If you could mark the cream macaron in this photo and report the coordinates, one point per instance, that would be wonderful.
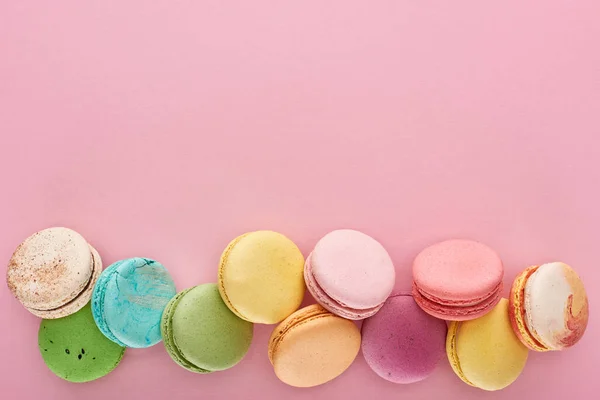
(549, 307)
(53, 272)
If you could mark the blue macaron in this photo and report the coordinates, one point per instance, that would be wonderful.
(129, 299)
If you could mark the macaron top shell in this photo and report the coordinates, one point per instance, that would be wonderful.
(461, 272)
(353, 269)
(50, 268)
(261, 277)
(556, 306)
(302, 316)
(129, 300)
(205, 332)
(313, 346)
(485, 352)
(75, 350)
(78, 302)
(402, 343)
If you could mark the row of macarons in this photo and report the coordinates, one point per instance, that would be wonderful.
(262, 278)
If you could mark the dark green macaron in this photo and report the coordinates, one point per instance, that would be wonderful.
(74, 348)
(201, 334)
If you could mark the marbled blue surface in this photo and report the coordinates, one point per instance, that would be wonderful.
(98, 301)
(129, 299)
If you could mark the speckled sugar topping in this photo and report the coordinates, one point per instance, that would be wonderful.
(50, 268)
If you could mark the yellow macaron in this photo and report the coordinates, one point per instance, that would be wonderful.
(485, 352)
(261, 277)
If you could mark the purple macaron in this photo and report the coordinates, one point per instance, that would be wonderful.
(402, 343)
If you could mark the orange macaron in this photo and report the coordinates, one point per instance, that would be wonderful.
(313, 346)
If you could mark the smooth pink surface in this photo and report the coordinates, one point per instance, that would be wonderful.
(165, 129)
(321, 297)
(353, 269)
(458, 272)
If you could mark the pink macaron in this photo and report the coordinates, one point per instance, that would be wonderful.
(457, 280)
(350, 274)
(402, 343)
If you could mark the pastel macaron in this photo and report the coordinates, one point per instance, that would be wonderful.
(129, 299)
(350, 274)
(75, 350)
(457, 280)
(201, 334)
(52, 273)
(402, 343)
(313, 346)
(485, 352)
(549, 307)
(260, 277)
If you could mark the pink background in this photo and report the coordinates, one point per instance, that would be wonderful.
(166, 128)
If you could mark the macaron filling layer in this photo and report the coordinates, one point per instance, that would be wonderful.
(96, 269)
(459, 303)
(334, 305)
(452, 308)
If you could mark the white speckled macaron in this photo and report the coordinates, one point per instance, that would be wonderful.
(52, 273)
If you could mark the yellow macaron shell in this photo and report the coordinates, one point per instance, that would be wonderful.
(261, 277)
(312, 347)
(485, 352)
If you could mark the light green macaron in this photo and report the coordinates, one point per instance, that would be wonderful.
(201, 334)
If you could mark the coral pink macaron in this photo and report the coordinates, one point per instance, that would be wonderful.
(350, 274)
(457, 280)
